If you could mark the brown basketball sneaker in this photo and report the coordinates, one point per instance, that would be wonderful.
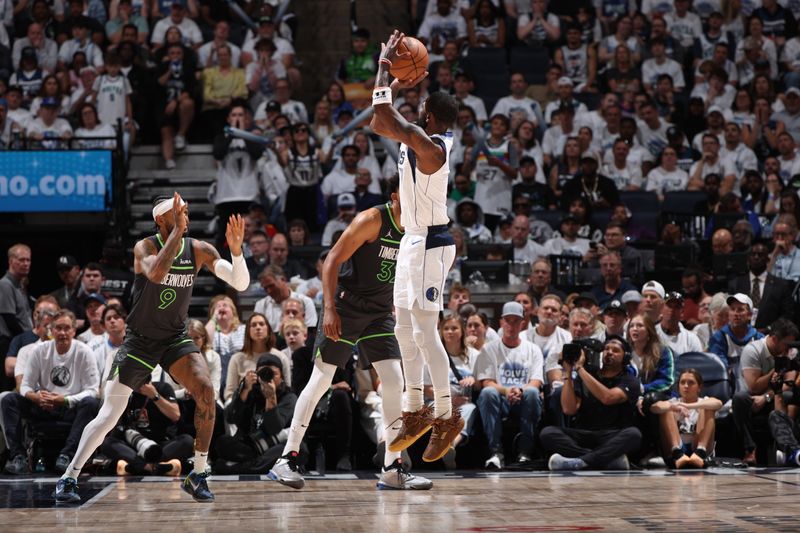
(442, 436)
(415, 425)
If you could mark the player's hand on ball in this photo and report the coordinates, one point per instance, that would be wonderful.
(389, 48)
(407, 84)
(234, 234)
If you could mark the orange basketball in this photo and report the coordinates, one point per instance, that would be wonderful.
(412, 66)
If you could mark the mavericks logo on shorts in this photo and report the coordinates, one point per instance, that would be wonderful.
(432, 294)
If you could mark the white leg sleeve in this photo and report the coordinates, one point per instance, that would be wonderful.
(413, 363)
(429, 343)
(114, 404)
(391, 374)
(320, 381)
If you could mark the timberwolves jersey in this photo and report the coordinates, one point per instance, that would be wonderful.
(423, 197)
(159, 311)
(369, 273)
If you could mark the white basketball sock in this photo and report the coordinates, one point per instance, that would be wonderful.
(319, 382)
(429, 343)
(391, 376)
(114, 404)
(413, 363)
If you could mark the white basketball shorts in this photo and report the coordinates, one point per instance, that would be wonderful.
(424, 259)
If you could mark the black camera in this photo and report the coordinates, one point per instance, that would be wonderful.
(265, 373)
(592, 350)
(784, 364)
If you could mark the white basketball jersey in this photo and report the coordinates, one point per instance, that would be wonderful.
(423, 197)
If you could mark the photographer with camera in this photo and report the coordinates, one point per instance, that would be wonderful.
(603, 402)
(782, 424)
(262, 409)
(764, 363)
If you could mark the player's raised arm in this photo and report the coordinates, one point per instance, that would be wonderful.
(364, 228)
(236, 274)
(388, 122)
(173, 217)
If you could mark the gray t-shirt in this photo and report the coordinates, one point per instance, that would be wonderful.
(510, 367)
(755, 356)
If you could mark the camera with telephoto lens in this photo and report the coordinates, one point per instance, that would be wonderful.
(265, 373)
(592, 350)
(782, 366)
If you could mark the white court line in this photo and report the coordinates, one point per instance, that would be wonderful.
(98, 496)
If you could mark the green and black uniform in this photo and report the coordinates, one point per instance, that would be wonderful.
(156, 328)
(364, 301)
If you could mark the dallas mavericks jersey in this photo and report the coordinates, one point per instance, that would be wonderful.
(423, 197)
(159, 310)
(369, 273)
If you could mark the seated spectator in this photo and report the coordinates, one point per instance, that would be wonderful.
(578, 60)
(261, 408)
(568, 243)
(114, 319)
(525, 249)
(565, 99)
(612, 286)
(785, 260)
(263, 73)
(48, 129)
(624, 76)
(557, 138)
(487, 27)
(670, 329)
(293, 109)
(366, 159)
(94, 335)
(364, 198)
(45, 49)
(259, 253)
(469, 217)
(603, 403)
(754, 397)
(346, 212)
(598, 190)
(713, 315)
(59, 384)
(615, 318)
(653, 130)
(784, 430)
(621, 38)
(126, 16)
(538, 196)
(208, 54)
(538, 27)
(653, 300)
(284, 52)
(225, 330)
(146, 441)
(712, 163)
(687, 423)
(52, 89)
(771, 296)
(176, 96)
(81, 42)
(361, 64)
(90, 127)
(517, 106)
(510, 374)
(341, 180)
(177, 17)
(222, 84)
(659, 64)
(722, 242)
(729, 342)
(279, 256)
(547, 334)
(259, 339)
(18, 350)
(441, 26)
(667, 177)
(477, 329)
(540, 281)
(273, 280)
(625, 177)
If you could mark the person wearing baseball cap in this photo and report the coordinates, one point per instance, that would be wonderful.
(631, 300)
(653, 295)
(614, 317)
(69, 271)
(671, 331)
(599, 190)
(346, 205)
(565, 90)
(729, 341)
(510, 372)
(568, 243)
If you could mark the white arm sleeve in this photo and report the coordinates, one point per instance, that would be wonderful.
(235, 275)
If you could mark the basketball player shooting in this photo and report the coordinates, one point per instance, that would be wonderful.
(165, 266)
(426, 251)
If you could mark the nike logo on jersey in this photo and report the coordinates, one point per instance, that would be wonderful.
(416, 242)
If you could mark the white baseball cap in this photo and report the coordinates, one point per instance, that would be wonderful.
(740, 298)
(564, 80)
(513, 309)
(655, 287)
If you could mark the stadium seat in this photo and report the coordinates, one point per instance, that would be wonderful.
(715, 375)
(486, 61)
(553, 218)
(682, 201)
(532, 62)
(491, 87)
(638, 201)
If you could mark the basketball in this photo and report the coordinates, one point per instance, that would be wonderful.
(412, 66)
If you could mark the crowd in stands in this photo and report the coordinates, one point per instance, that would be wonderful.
(632, 184)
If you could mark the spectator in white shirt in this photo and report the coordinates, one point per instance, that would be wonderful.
(177, 17)
(671, 331)
(207, 54)
(667, 177)
(661, 64)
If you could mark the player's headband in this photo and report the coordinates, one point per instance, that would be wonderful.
(164, 206)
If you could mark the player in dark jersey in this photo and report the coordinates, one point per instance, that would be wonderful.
(165, 266)
(357, 285)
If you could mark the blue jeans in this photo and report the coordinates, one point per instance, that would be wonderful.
(494, 407)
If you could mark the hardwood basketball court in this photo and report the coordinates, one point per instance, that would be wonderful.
(724, 500)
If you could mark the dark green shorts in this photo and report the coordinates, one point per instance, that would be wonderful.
(138, 356)
(369, 336)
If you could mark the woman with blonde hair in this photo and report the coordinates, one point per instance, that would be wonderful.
(258, 340)
(653, 361)
(225, 332)
(687, 423)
